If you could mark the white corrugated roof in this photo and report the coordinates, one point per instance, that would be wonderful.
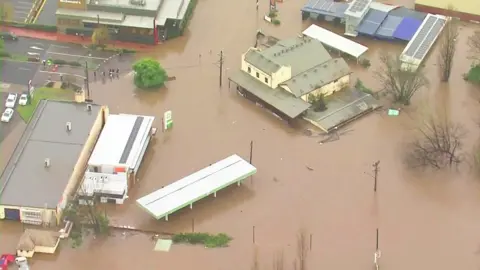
(114, 139)
(115, 184)
(196, 186)
(335, 41)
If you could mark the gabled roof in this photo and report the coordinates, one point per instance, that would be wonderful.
(317, 77)
(31, 238)
(300, 53)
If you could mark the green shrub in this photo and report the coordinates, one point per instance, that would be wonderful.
(276, 21)
(41, 27)
(59, 62)
(206, 239)
(365, 63)
(149, 74)
(74, 64)
(272, 14)
(5, 54)
(473, 74)
(360, 86)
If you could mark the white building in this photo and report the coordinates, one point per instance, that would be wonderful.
(117, 156)
(357, 9)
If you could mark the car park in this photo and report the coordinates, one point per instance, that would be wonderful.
(23, 100)
(7, 115)
(11, 100)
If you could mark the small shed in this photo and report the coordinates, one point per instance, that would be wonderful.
(40, 241)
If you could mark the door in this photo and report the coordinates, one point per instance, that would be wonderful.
(12, 214)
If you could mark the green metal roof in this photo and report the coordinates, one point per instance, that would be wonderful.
(300, 53)
(278, 98)
(317, 77)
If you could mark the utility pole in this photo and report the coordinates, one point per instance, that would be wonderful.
(376, 242)
(251, 151)
(87, 84)
(376, 168)
(221, 68)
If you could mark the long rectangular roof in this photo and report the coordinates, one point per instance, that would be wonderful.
(196, 186)
(121, 139)
(25, 180)
(335, 41)
(278, 98)
(326, 7)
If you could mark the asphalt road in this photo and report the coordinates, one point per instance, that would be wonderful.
(17, 72)
(47, 15)
(24, 45)
(21, 8)
(6, 128)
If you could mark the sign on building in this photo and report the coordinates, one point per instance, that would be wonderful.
(167, 120)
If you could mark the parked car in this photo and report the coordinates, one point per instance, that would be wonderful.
(23, 100)
(8, 36)
(5, 260)
(7, 115)
(11, 100)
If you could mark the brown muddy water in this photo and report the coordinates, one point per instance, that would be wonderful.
(426, 221)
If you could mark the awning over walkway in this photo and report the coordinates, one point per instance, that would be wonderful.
(277, 98)
(335, 41)
(196, 186)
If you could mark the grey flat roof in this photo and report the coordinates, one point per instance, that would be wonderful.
(170, 9)
(277, 98)
(149, 4)
(25, 181)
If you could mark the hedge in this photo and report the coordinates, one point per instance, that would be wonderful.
(5, 54)
(41, 27)
(62, 62)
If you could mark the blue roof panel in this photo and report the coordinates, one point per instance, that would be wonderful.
(326, 7)
(371, 22)
(407, 29)
(388, 27)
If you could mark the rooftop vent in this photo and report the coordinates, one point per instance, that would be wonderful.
(89, 107)
(47, 162)
(138, 2)
(69, 126)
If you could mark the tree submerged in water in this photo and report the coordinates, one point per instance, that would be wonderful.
(149, 74)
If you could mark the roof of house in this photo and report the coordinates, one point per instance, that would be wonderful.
(278, 98)
(300, 53)
(31, 238)
(26, 181)
(317, 77)
(121, 140)
(171, 9)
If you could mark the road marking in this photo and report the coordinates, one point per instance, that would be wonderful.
(59, 46)
(38, 43)
(24, 2)
(26, 69)
(67, 54)
(21, 12)
(36, 48)
(59, 73)
(4, 85)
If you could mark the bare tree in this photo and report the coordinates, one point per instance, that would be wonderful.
(278, 261)
(302, 251)
(255, 263)
(474, 44)
(448, 45)
(438, 144)
(402, 82)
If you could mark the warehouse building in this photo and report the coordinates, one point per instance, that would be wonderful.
(466, 10)
(49, 161)
(116, 158)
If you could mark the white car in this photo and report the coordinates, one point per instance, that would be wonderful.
(7, 115)
(23, 99)
(11, 100)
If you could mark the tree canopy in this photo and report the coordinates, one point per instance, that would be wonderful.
(149, 74)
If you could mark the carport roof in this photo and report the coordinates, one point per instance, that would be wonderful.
(25, 181)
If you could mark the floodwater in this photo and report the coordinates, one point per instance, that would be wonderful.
(425, 220)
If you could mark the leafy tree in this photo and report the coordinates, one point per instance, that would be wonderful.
(149, 74)
(100, 36)
(318, 102)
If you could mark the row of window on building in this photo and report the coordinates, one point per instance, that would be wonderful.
(258, 74)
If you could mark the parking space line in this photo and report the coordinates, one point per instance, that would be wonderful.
(25, 3)
(59, 46)
(84, 56)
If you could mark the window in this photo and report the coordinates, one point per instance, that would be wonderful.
(266, 80)
(249, 70)
(258, 75)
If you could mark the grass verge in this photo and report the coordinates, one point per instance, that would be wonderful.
(206, 239)
(27, 111)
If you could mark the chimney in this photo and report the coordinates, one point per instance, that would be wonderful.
(69, 126)
(89, 107)
(47, 162)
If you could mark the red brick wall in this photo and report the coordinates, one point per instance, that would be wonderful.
(462, 15)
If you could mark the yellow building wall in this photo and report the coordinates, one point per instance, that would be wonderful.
(72, 5)
(330, 88)
(49, 250)
(283, 74)
(26, 254)
(467, 6)
(81, 164)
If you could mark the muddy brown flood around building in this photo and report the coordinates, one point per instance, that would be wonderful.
(426, 221)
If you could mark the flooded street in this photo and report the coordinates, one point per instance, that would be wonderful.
(425, 221)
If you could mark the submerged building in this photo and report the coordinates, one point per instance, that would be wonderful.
(142, 21)
(116, 158)
(466, 10)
